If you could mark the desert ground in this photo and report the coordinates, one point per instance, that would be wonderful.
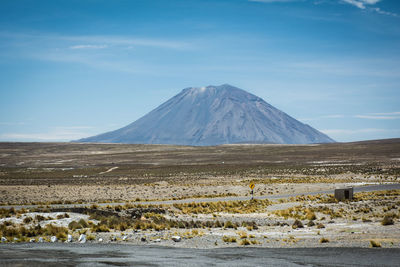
(56, 176)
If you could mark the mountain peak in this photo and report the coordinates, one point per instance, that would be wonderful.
(212, 88)
(214, 115)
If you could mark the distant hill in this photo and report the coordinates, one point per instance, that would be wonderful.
(214, 115)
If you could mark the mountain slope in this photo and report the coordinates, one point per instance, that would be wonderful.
(214, 115)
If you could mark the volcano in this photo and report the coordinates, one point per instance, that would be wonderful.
(214, 115)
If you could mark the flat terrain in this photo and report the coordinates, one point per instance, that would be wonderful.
(152, 194)
(42, 172)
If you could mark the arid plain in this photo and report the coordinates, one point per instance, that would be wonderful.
(47, 174)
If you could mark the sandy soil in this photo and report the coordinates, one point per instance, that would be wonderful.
(339, 232)
(51, 172)
(26, 194)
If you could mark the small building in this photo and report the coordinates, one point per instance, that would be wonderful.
(344, 193)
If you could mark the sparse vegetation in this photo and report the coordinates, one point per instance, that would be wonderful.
(242, 234)
(229, 239)
(374, 244)
(198, 172)
(387, 220)
(22, 233)
(297, 224)
(249, 206)
(310, 223)
(27, 220)
(244, 242)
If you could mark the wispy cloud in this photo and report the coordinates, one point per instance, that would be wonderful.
(364, 4)
(371, 116)
(87, 50)
(274, 1)
(388, 113)
(380, 116)
(13, 123)
(362, 133)
(104, 63)
(378, 10)
(108, 40)
(54, 134)
(355, 131)
(333, 116)
(361, 3)
(98, 41)
(88, 46)
(372, 67)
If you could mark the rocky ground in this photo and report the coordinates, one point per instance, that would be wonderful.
(371, 219)
(29, 194)
(65, 173)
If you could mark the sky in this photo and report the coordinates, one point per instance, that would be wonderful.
(77, 68)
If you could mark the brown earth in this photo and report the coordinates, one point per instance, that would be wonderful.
(40, 172)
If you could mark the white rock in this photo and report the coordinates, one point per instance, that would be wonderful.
(53, 239)
(41, 240)
(32, 240)
(157, 240)
(16, 239)
(82, 238)
(100, 239)
(176, 238)
(3, 239)
(69, 238)
(124, 238)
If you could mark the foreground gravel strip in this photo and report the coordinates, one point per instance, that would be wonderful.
(128, 255)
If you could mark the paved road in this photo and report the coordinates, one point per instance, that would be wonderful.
(60, 254)
(216, 199)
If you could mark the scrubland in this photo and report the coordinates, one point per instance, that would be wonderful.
(67, 173)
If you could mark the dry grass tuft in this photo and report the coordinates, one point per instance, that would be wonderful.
(297, 224)
(229, 239)
(244, 242)
(374, 244)
(387, 220)
(324, 240)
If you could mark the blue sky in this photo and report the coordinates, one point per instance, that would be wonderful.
(72, 69)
